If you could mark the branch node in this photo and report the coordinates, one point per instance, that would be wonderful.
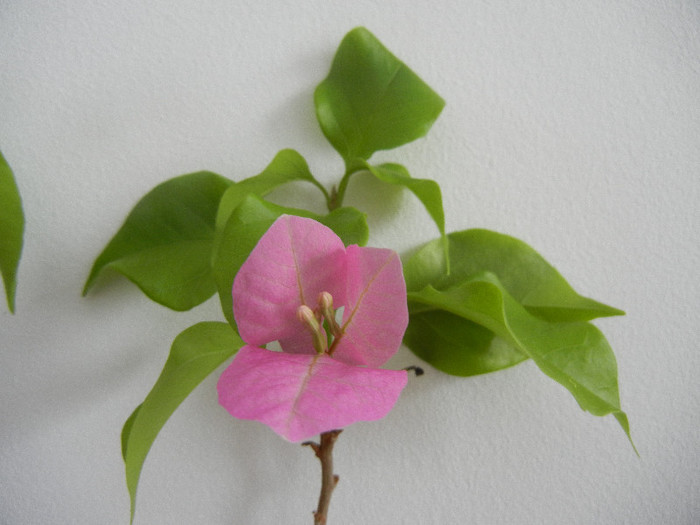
(314, 446)
(416, 369)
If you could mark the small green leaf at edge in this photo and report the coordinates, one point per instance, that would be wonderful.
(195, 353)
(251, 219)
(427, 191)
(524, 273)
(575, 354)
(164, 245)
(11, 231)
(287, 166)
(372, 101)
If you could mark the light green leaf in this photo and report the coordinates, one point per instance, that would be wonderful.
(195, 353)
(427, 191)
(126, 430)
(165, 244)
(458, 346)
(532, 282)
(349, 223)
(11, 231)
(287, 166)
(371, 100)
(575, 354)
(251, 219)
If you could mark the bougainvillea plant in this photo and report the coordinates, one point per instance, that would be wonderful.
(467, 303)
(324, 378)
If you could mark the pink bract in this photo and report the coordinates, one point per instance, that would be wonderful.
(300, 392)
(299, 396)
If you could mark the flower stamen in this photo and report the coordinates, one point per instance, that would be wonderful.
(306, 315)
(325, 306)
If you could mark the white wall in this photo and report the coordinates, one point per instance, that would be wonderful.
(574, 126)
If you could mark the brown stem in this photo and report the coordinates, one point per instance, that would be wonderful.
(324, 452)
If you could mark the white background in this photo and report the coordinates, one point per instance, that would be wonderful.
(574, 126)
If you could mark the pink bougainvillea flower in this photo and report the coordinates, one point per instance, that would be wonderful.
(338, 313)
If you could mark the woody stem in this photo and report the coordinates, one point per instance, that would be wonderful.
(324, 452)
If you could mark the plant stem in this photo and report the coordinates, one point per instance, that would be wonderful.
(337, 195)
(324, 452)
(323, 189)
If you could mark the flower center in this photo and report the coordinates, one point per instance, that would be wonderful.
(322, 323)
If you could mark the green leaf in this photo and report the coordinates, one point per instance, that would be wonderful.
(349, 223)
(427, 191)
(287, 166)
(458, 346)
(11, 231)
(251, 219)
(575, 354)
(126, 430)
(196, 352)
(165, 244)
(532, 282)
(371, 100)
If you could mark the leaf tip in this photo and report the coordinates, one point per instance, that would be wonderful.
(92, 276)
(10, 288)
(86, 289)
(621, 418)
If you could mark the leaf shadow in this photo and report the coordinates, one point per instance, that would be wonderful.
(295, 119)
(379, 200)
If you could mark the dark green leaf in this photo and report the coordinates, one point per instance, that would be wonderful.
(11, 230)
(287, 166)
(458, 346)
(165, 244)
(526, 276)
(575, 354)
(251, 219)
(195, 353)
(372, 101)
